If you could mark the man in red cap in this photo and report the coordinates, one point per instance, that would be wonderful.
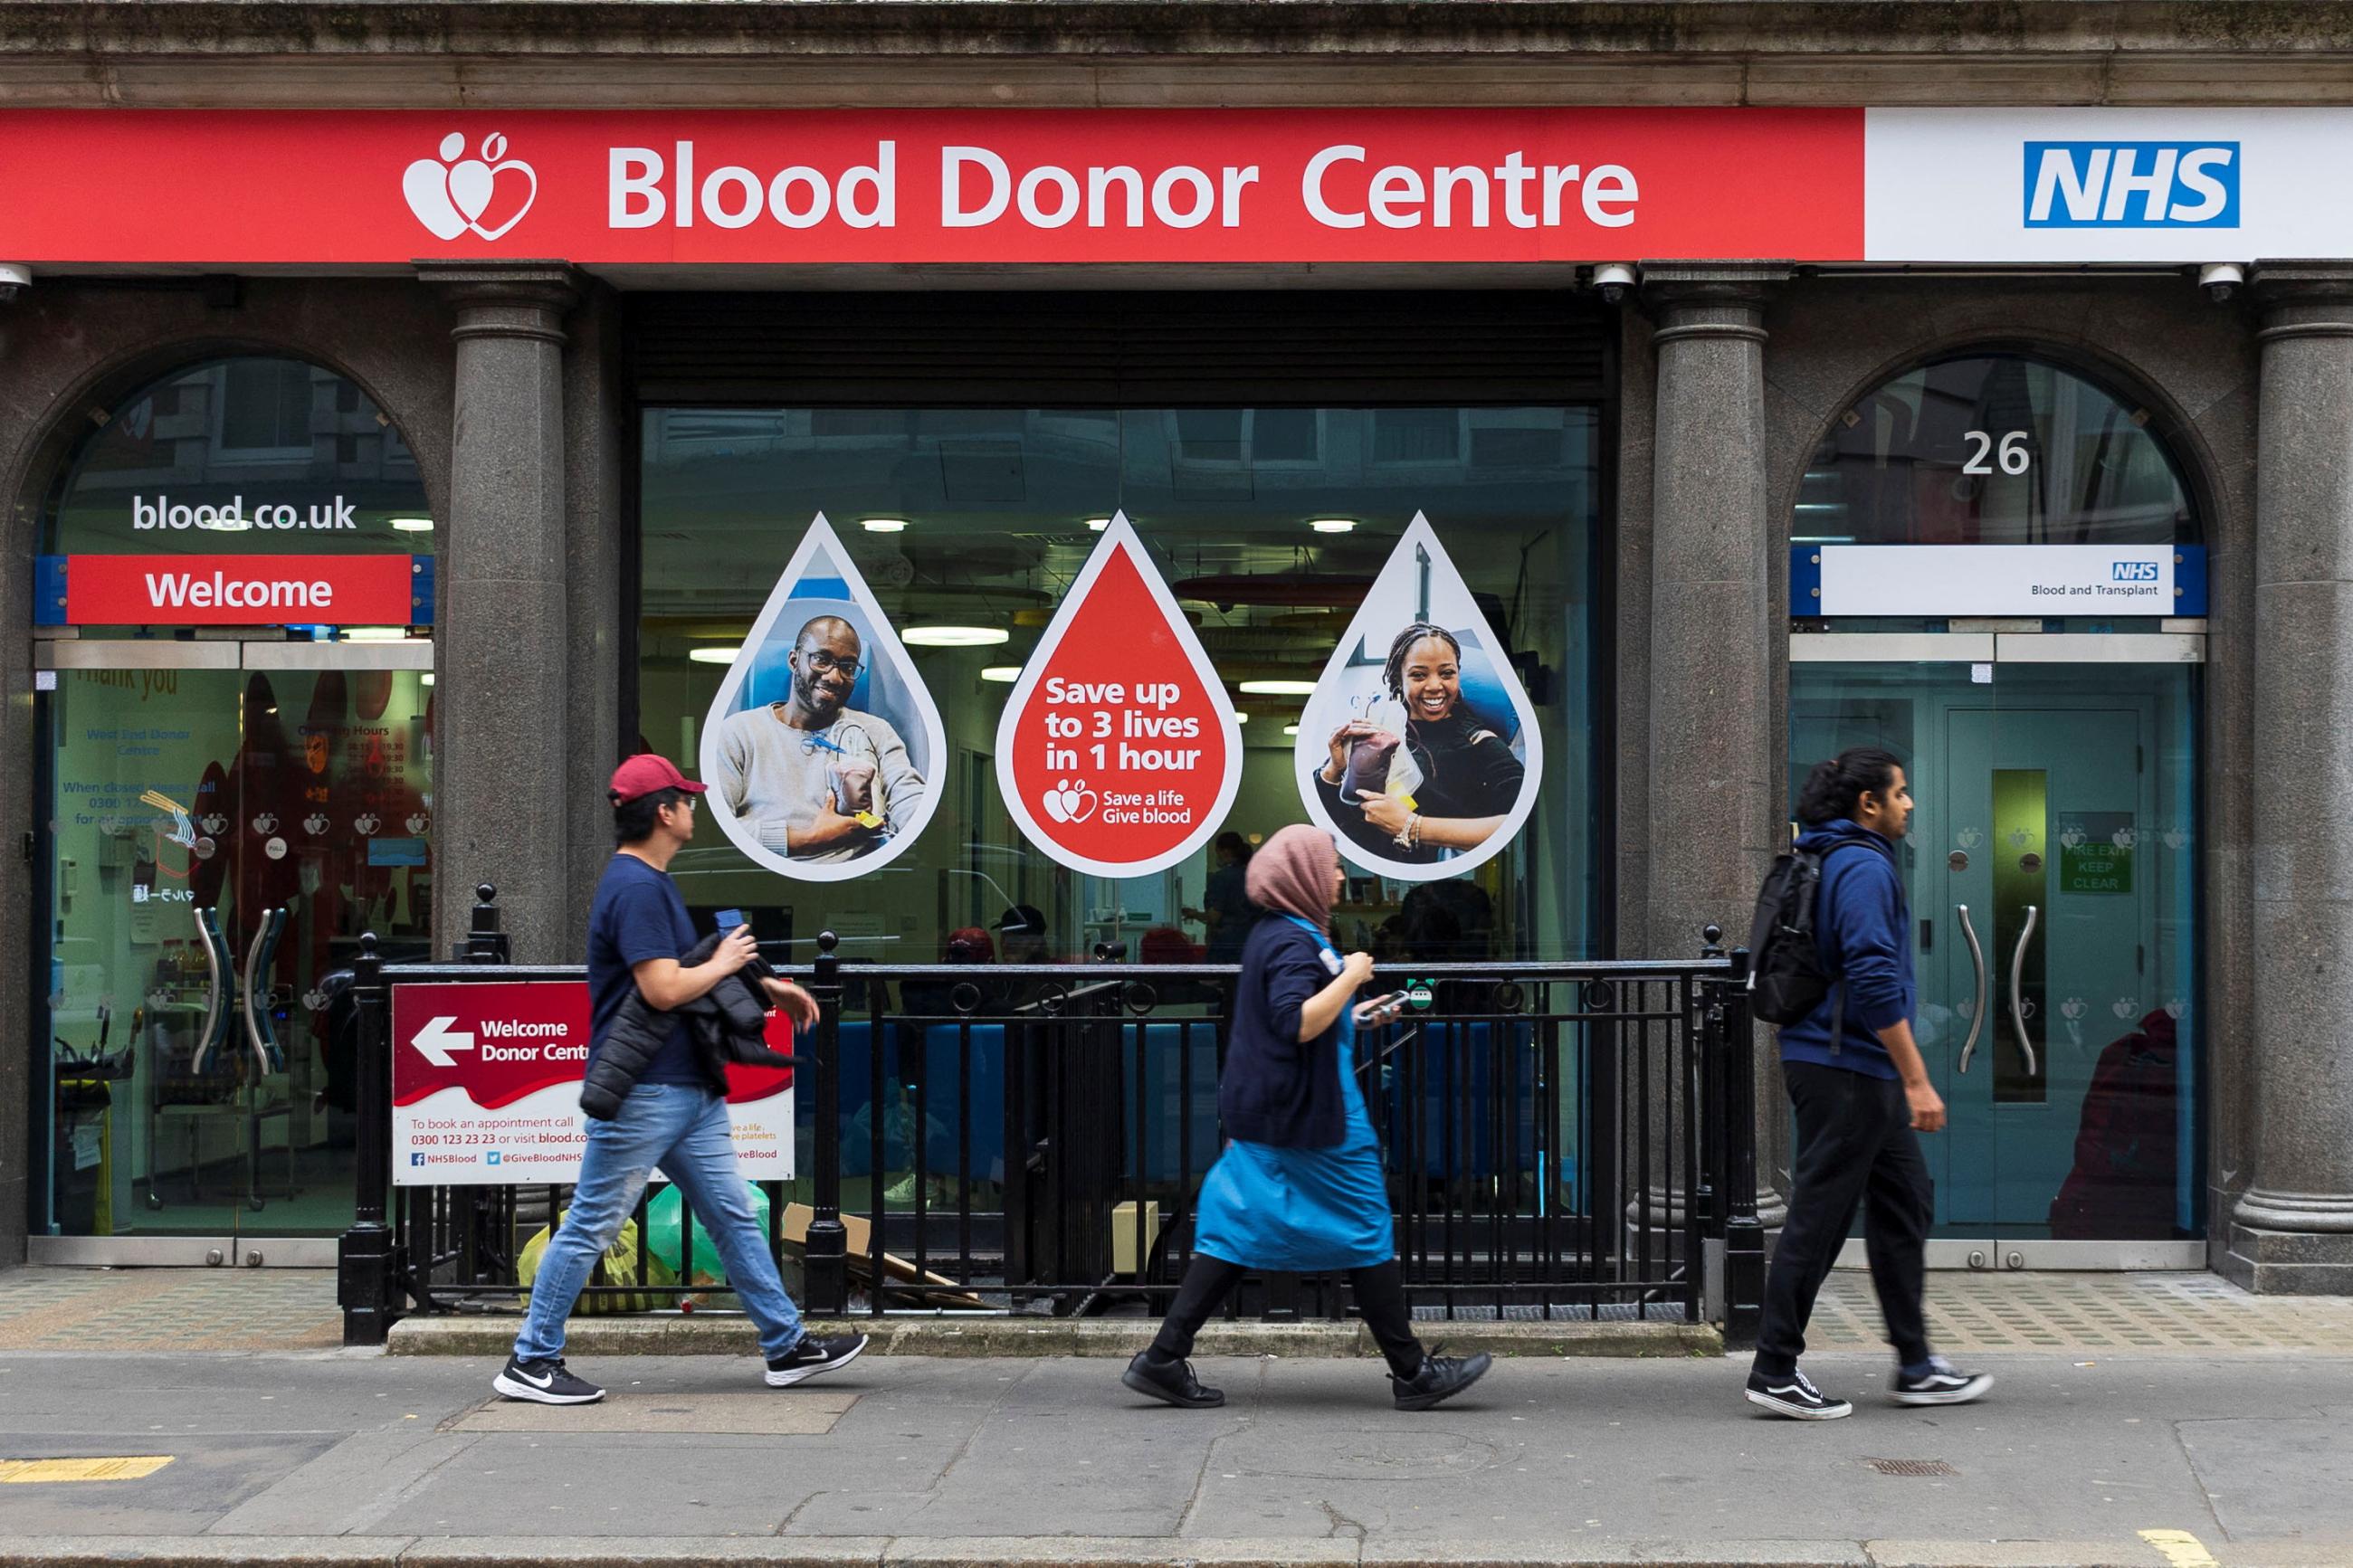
(674, 1115)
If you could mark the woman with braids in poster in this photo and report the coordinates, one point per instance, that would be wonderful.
(1469, 776)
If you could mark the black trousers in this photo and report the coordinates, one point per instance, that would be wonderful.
(1855, 1147)
(1380, 1297)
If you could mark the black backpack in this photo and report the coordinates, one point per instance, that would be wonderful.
(1787, 976)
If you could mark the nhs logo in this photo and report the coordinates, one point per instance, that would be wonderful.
(2132, 184)
(2133, 571)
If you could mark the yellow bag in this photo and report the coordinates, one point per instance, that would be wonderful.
(617, 1266)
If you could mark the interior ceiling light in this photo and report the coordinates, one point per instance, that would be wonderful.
(1278, 687)
(1003, 674)
(1098, 524)
(714, 655)
(956, 637)
(1290, 729)
(426, 678)
(413, 524)
(885, 525)
(1332, 525)
(375, 634)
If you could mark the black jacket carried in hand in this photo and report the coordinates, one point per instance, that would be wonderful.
(1277, 1089)
(727, 1024)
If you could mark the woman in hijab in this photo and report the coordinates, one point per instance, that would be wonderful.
(1299, 1188)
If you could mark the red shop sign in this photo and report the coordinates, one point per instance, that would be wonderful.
(241, 590)
(233, 187)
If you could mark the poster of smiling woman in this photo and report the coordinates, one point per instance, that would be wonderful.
(1418, 749)
(822, 749)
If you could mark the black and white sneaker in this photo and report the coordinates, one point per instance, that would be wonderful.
(1942, 1384)
(544, 1382)
(1796, 1397)
(812, 1356)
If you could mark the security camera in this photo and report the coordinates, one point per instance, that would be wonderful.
(2221, 280)
(1614, 278)
(15, 279)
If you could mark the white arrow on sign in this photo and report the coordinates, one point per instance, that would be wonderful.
(437, 1039)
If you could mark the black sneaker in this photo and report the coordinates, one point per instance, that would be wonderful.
(1940, 1385)
(544, 1382)
(1441, 1377)
(1170, 1382)
(812, 1356)
(1796, 1397)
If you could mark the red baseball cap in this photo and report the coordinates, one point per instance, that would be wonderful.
(646, 773)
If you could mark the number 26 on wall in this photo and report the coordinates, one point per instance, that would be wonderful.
(2011, 452)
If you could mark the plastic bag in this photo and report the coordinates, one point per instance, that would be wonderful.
(617, 1266)
(666, 1236)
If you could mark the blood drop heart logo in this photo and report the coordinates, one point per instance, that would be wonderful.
(1118, 753)
(453, 193)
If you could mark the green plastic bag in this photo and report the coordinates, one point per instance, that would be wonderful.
(665, 1235)
(617, 1266)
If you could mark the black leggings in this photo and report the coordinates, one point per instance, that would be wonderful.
(1380, 1297)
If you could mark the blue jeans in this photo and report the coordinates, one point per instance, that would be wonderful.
(682, 1128)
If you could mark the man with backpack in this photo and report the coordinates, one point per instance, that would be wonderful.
(1832, 945)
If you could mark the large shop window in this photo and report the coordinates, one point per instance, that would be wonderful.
(1269, 524)
(1993, 448)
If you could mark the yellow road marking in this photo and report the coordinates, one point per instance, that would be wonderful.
(129, 1467)
(2180, 1548)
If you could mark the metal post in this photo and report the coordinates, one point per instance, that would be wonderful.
(368, 1271)
(1743, 1234)
(485, 943)
(826, 1250)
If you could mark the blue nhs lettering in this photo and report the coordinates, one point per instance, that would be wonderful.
(2132, 184)
(2133, 571)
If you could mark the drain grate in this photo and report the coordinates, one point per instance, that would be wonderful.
(1912, 1466)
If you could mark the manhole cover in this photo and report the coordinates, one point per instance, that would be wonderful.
(1912, 1466)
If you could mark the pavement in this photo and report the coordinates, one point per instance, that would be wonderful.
(2171, 1455)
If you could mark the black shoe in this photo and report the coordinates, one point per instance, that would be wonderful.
(544, 1382)
(1441, 1377)
(1940, 1385)
(1170, 1382)
(1796, 1397)
(812, 1356)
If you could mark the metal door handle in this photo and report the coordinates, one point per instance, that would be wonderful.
(2017, 1000)
(206, 926)
(1977, 1004)
(265, 939)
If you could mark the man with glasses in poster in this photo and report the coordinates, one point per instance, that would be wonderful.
(815, 779)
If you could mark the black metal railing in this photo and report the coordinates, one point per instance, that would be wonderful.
(1561, 1138)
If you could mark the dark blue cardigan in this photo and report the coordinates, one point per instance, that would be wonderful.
(1279, 1089)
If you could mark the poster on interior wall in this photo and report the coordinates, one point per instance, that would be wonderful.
(1118, 753)
(1418, 748)
(822, 749)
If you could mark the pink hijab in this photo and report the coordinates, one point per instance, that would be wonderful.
(1292, 874)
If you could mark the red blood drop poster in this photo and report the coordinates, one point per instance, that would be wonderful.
(1118, 753)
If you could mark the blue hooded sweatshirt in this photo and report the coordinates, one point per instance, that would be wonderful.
(1862, 928)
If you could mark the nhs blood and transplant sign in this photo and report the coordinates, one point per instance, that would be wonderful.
(486, 1087)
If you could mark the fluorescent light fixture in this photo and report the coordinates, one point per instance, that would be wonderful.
(714, 655)
(1332, 525)
(1278, 687)
(413, 524)
(227, 525)
(956, 637)
(1241, 717)
(426, 678)
(1003, 674)
(1290, 729)
(885, 525)
(375, 634)
(1098, 524)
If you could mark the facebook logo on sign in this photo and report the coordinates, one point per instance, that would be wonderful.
(415, 1159)
(2133, 571)
(2132, 184)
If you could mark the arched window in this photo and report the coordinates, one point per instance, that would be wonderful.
(1993, 448)
(256, 454)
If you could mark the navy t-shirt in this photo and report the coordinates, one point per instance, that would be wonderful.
(637, 915)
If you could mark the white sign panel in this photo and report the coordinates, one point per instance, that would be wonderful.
(1992, 580)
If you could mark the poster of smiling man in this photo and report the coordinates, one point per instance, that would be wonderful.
(1418, 748)
(822, 746)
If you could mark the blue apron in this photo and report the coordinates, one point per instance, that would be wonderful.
(1303, 1211)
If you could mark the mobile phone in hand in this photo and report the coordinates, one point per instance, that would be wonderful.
(1383, 1003)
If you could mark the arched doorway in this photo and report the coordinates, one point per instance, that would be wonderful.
(234, 674)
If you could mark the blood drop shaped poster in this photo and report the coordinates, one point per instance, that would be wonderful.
(1118, 753)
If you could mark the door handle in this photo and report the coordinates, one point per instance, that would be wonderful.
(207, 936)
(257, 954)
(2017, 997)
(1979, 998)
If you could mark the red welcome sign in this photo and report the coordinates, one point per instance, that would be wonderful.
(1118, 752)
(241, 590)
(387, 187)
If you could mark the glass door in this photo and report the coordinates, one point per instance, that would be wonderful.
(2052, 869)
(218, 839)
